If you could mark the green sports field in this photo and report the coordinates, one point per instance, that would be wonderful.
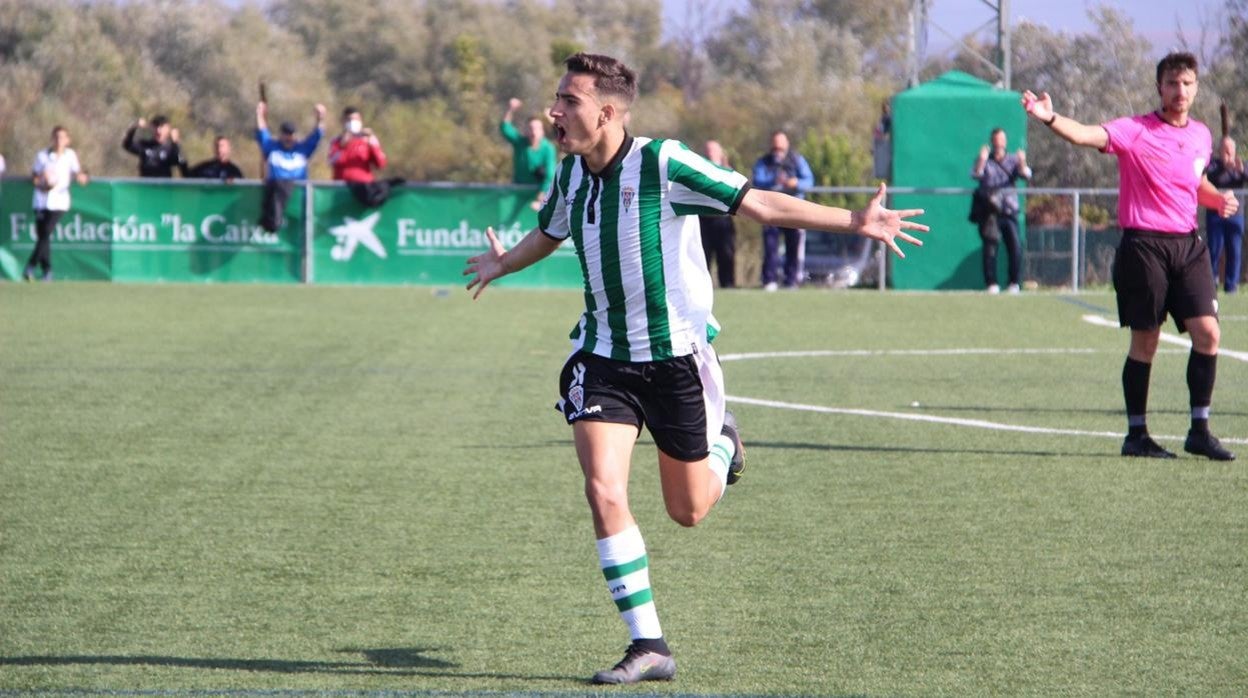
(237, 490)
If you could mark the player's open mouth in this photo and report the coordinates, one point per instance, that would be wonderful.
(560, 133)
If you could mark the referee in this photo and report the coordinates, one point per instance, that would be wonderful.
(1162, 264)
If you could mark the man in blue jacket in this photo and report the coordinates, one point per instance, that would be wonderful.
(285, 161)
(784, 170)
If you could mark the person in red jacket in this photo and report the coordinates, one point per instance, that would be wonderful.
(357, 152)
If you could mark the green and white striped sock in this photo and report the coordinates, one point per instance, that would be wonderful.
(722, 451)
(627, 569)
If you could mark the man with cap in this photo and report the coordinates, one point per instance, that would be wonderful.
(285, 161)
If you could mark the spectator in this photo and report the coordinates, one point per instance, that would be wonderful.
(783, 170)
(285, 160)
(356, 152)
(54, 168)
(1226, 232)
(159, 155)
(884, 127)
(995, 209)
(719, 233)
(882, 144)
(219, 167)
(533, 156)
(354, 155)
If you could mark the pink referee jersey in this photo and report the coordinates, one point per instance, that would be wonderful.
(1159, 170)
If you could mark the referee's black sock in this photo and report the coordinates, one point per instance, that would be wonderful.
(1202, 370)
(1135, 375)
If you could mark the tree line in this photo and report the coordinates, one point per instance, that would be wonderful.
(432, 77)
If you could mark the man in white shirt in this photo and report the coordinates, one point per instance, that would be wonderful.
(55, 167)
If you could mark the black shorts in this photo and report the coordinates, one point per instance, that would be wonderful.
(1159, 273)
(671, 398)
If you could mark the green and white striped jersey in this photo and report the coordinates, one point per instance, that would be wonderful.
(637, 236)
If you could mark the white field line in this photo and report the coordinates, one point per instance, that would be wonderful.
(954, 421)
(894, 352)
(1166, 337)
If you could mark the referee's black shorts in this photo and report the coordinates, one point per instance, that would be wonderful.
(1159, 273)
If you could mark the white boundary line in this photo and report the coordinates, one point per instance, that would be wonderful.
(1166, 337)
(896, 352)
(955, 421)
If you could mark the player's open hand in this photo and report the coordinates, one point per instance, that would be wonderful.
(487, 266)
(886, 225)
(1040, 107)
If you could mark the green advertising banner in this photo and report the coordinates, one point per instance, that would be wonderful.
(156, 231)
(159, 230)
(81, 247)
(424, 234)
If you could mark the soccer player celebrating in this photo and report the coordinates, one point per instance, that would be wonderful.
(1162, 265)
(641, 350)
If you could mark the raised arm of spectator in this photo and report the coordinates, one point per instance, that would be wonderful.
(1040, 108)
(128, 142)
(1023, 171)
(507, 128)
(764, 176)
(805, 177)
(308, 145)
(375, 152)
(263, 137)
(977, 170)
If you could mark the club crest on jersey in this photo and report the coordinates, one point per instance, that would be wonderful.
(626, 196)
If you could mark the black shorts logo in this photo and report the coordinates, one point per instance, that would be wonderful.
(576, 390)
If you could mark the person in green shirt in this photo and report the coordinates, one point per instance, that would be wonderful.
(534, 158)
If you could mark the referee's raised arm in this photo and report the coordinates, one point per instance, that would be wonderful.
(1040, 108)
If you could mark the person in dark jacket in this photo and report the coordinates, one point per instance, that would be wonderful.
(219, 167)
(996, 208)
(1226, 232)
(159, 155)
(784, 170)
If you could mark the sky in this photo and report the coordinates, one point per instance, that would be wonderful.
(1153, 19)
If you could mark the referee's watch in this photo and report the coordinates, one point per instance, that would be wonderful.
(1051, 119)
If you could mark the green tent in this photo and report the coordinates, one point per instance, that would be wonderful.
(938, 129)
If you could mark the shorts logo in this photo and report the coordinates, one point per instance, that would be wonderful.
(626, 195)
(576, 391)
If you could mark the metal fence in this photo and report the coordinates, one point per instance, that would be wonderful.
(1061, 250)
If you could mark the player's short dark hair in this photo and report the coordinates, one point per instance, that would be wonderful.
(159, 120)
(349, 111)
(611, 77)
(995, 131)
(57, 129)
(1179, 60)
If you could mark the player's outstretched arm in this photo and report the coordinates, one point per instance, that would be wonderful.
(497, 261)
(874, 221)
(1040, 108)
